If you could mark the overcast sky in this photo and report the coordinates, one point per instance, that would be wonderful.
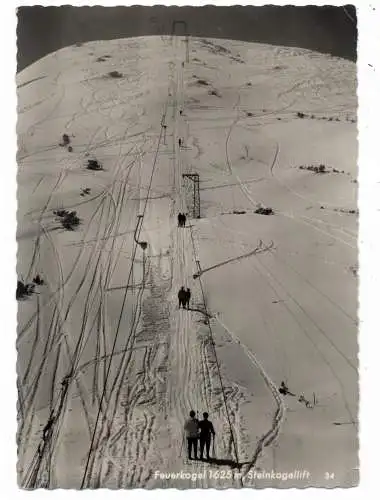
(42, 30)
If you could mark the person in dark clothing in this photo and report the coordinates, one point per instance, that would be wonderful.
(182, 297)
(180, 142)
(181, 220)
(65, 139)
(206, 431)
(284, 390)
(187, 298)
(191, 429)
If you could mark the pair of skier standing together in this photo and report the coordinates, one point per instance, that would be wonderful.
(199, 429)
(184, 298)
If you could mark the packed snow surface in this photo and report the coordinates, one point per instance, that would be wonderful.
(109, 367)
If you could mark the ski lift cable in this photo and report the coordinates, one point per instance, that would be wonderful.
(216, 357)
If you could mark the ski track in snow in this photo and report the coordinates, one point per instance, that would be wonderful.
(280, 413)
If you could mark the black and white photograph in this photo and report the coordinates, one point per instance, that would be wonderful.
(187, 247)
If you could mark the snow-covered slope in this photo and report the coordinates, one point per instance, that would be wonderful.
(109, 368)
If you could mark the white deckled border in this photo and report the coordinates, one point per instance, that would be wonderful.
(369, 204)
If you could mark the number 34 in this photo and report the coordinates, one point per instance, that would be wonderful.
(329, 475)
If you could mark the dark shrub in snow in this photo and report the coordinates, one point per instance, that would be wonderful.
(69, 220)
(115, 74)
(264, 211)
(93, 165)
(24, 290)
(200, 81)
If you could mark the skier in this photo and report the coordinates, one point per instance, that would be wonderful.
(187, 298)
(182, 297)
(191, 429)
(206, 431)
(183, 220)
(285, 390)
(180, 142)
(179, 220)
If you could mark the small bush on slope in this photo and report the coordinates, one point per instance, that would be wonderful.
(115, 74)
(69, 220)
(321, 169)
(24, 290)
(264, 211)
(85, 191)
(201, 81)
(317, 169)
(93, 165)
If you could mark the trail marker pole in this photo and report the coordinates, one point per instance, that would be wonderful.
(194, 200)
(132, 281)
(183, 440)
(143, 244)
(144, 260)
(187, 48)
